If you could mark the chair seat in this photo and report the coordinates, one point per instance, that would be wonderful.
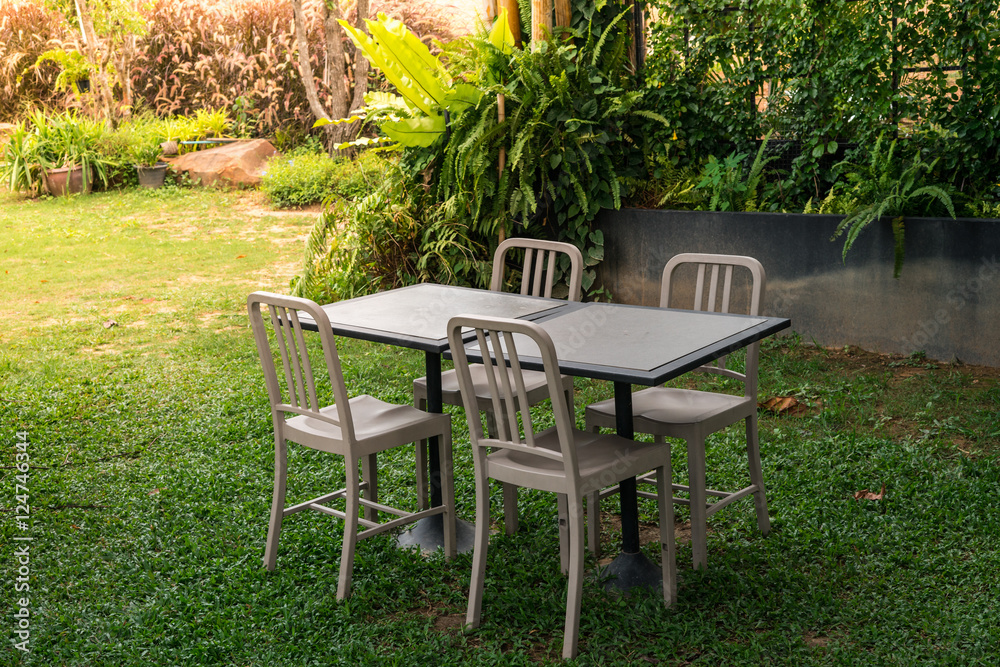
(656, 409)
(602, 460)
(534, 384)
(377, 425)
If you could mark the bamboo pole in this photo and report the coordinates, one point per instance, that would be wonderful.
(564, 13)
(541, 19)
(501, 115)
(513, 18)
(514, 21)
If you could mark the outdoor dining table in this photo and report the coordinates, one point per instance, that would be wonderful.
(416, 317)
(638, 345)
(623, 344)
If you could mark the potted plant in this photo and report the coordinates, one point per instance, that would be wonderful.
(74, 69)
(60, 152)
(66, 148)
(145, 151)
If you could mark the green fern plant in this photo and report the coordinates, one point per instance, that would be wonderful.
(724, 180)
(886, 187)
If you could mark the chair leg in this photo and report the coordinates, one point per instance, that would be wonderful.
(474, 613)
(569, 402)
(574, 592)
(510, 517)
(699, 517)
(757, 475)
(668, 547)
(448, 494)
(277, 500)
(564, 523)
(350, 531)
(594, 522)
(369, 473)
(593, 504)
(423, 490)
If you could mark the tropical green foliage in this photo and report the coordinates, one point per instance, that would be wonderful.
(569, 114)
(20, 169)
(570, 109)
(729, 190)
(887, 186)
(829, 73)
(72, 65)
(393, 237)
(421, 78)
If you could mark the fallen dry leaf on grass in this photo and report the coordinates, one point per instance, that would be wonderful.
(110, 323)
(865, 494)
(784, 405)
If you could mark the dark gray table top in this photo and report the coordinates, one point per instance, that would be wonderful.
(642, 345)
(417, 316)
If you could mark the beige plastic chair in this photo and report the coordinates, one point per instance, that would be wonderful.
(537, 279)
(694, 415)
(561, 459)
(356, 428)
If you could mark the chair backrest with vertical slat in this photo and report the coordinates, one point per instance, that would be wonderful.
(284, 356)
(497, 340)
(714, 291)
(538, 271)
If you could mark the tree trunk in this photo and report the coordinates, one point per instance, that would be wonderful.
(333, 36)
(342, 101)
(564, 13)
(305, 66)
(105, 97)
(360, 62)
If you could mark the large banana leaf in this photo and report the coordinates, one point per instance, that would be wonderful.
(411, 55)
(384, 27)
(403, 63)
(422, 131)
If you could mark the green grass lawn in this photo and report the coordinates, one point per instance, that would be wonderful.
(127, 364)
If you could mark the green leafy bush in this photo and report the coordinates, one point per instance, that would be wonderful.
(302, 178)
(571, 115)
(566, 143)
(392, 237)
(822, 74)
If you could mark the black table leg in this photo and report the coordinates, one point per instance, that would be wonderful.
(630, 568)
(432, 371)
(428, 534)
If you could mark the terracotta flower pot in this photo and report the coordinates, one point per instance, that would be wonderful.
(66, 181)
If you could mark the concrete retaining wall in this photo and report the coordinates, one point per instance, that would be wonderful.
(945, 303)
